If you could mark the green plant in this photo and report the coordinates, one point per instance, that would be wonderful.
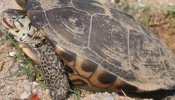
(168, 10)
(28, 67)
(75, 92)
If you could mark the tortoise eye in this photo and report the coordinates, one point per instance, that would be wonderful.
(17, 31)
(14, 17)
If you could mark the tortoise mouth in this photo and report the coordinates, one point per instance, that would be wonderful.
(8, 24)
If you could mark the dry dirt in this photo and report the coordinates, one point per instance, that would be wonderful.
(16, 88)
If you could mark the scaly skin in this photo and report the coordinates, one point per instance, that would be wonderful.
(54, 72)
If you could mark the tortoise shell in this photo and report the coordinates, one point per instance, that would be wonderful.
(102, 46)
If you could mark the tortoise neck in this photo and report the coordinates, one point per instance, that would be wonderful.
(36, 39)
(38, 43)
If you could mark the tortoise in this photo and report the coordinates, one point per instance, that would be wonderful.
(97, 47)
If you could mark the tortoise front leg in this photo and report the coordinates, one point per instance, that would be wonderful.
(52, 68)
(54, 71)
(30, 53)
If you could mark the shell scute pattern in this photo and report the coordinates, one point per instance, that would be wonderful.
(119, 71)
(68, 56)
(107, 78)
(113, 41)
(145, 53)
(90, 6)
(89, 66)
(34, 5)
(126, 19)
(39, 18)
(76, 24)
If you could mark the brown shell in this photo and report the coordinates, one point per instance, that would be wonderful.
(103, 46)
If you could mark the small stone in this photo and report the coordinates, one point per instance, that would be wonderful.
(47, 91)
(27, 87)
(109, 98)
(25, 95)
(7, 90)
(34, 90)
(35, 84)
(12, 54)
(34, 87)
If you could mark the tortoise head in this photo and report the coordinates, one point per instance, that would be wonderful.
(18, 24)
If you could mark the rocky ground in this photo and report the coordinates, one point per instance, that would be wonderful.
(13, 87)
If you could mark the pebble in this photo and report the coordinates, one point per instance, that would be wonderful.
(35, 83)
(27, 87)
(12, 54)
(25, 95)
(109, 98)
(7, 90)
